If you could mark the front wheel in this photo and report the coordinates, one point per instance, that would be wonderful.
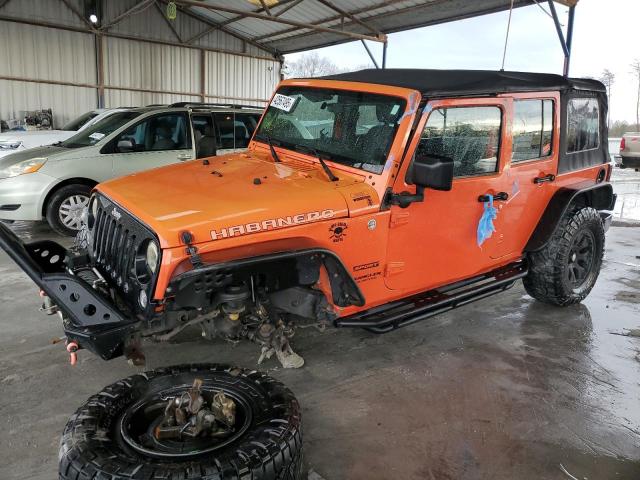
(190, 421)
(65, 209)
(566, 269)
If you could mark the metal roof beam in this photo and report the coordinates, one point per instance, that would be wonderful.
(167, 21)
(126, 13)
(324, 20)
(349, 15)
(219, 26)
(266, 8)
(381, 16)
(77, 14)
(310, 26)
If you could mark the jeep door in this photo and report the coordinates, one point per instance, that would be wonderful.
(154, 141)
(529, 169)
(434, 242)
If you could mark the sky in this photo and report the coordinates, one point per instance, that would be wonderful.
(606, 35)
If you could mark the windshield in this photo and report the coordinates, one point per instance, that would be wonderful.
(77, 123)
(352, 128)
(94, 133)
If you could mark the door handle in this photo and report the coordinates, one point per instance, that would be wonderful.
(547, 178)
(498, 196)
(184, 156)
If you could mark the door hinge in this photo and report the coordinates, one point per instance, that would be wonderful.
(393, 268)
(399, 218)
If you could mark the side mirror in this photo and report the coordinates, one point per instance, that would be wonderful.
(432, 171)
(125, 146)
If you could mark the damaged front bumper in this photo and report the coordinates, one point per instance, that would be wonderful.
(91, 318)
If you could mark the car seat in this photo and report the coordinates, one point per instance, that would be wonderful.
(207, 144)
(163, 139)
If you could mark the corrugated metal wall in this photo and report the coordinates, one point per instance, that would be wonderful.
(136, 72)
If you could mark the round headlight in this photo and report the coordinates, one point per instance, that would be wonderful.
(152, 256)
(93, 205)
(90, 214)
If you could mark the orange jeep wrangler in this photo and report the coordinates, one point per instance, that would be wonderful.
(372, 199)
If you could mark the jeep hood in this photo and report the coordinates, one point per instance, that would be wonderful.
(233, 191)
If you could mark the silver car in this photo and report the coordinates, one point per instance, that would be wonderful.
(54, 182)
(630, 150)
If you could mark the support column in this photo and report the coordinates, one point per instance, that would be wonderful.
(384, 54)
(99, 39)
(203, 76)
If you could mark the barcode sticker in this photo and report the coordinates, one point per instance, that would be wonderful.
(282, 102)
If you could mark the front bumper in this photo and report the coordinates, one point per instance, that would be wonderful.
(28, 191)
(90, 318)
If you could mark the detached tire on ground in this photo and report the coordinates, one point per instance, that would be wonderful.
(566, 269)
(64, 209)
(100, 440)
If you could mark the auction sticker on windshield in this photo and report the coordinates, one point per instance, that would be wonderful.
(282, 102)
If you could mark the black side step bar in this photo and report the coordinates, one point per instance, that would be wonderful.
(407, 311)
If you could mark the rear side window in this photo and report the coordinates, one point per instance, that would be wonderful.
(583, 124)
(468, 135)
(244, 126)
(532, 129)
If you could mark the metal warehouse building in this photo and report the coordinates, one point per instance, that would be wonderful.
(50, 59)
(75, 55)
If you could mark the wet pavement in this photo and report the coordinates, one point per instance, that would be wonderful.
(506, 388)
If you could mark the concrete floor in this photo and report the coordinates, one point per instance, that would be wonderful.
(506, 388)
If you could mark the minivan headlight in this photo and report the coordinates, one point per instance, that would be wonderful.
(10, 144)
(152, 256)
(20, 168)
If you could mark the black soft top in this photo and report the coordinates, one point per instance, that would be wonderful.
(439, 83)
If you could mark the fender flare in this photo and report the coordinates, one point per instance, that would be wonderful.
(344, 288)
(597, 195)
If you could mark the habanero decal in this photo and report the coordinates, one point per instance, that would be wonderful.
(271, 224)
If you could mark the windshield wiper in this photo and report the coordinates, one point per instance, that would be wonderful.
(316, 154)
(274, 154)
(268, 141)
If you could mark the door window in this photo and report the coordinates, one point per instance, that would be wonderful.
(224, 122)
(468, 135)
(204, 135)
(157, 133)
(583, 124)
(244, 126)
(532, 129)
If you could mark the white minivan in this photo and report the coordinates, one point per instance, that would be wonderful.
(54, 182)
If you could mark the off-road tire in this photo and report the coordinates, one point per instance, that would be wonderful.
(270, 449)
(54, 203)
(548, 277)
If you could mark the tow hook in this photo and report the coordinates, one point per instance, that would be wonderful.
(72, 348)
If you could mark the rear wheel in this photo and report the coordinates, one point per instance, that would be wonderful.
(65, 208)
(123, 433)
(566, 269)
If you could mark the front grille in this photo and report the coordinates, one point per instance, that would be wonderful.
(116, 238)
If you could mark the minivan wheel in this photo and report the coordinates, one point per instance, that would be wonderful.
(160, 424)
(65, 208)
(566, 269)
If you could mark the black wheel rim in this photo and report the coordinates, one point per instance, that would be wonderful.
(140, 419)
(581, 258)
